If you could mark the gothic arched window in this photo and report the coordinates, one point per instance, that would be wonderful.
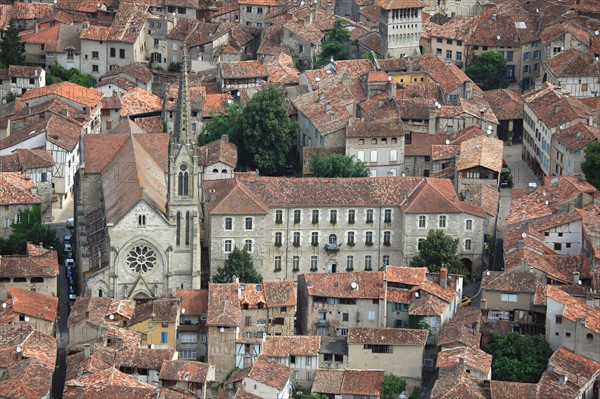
(188, 226)
(178, 230)
(183, 181)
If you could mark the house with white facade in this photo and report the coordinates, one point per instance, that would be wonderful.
(18, 79)
(575, 72)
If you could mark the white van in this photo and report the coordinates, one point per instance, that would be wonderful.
(70, 223)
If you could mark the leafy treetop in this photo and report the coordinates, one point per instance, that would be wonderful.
(337, 165)
(518, 358)
(591, 165)
(438, 250)
(335, 44)
(392, 386)
(12, 51)
(488, 70)
(239, 264)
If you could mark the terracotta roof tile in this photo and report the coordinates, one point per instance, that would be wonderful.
(138, 102)
(184, 371)
(195, 302)
(458, 335)
(510, 281)
(223, 305)
(118, 81)
(37, 263)
(375, 129)
(400, 4)
(146, 358)
(577, 137)
(482, 195)
(438, 195)
(137, 70)
(243, 394)
(556, 31)
(575, 309)
(128, 23)
(28, 379)
(421, 143)
(282, 70)
(406, 275)
(33, 304)
(555, 109)
(387, 336)
(449, 77)
(473, 358)
(16, 188)
(270, 372)
(328, 381)
(107, 383)
(299, 345)
(510, 390)
(67, 90)
(456, 28)
(279, 293)
(91, 309)
(506, 104)
(218, 151)
(459, 384)
(160, 310)
(573, 63)
(34, 345)
(243, 69)
(338, 285)
(31, 10)
(362, 382)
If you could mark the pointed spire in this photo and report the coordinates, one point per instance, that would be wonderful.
(183, 128)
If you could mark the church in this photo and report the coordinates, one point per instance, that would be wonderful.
(137, 208)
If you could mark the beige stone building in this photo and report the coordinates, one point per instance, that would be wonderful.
(19, 194)
(300, 353)
(291, 226)
(480, 162)
(374, 348)
(400, 25)
(36, 271)
(29, 308)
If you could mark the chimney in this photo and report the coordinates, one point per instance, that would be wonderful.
(18, 104)
(520, 244)
(432, 122)
(321, 96)
(591, 120)
(36, 27)
(225, 137)
(576, 278)
(86, 351)
(589, 297)
(571, 206)
(557, 109)
(393, 87)
(444, 277)
(483, 304)
(212, 195)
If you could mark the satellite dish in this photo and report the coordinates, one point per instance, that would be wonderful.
(183, 311)
(222, 329)
(302, 3)
(4, 101)
(597, 33)
(487, 273)
(3, 306)
(524, 235)
(547, 203)
(153, 315)
(579, 282)
(112, 317)
(26, 319)
(498, 37)
(19, 350)
(354, 285)
(417, 295)
(152, 346)
(447, 141)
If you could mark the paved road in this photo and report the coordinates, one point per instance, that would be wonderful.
(62, 333)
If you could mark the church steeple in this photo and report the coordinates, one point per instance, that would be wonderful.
(183, 119)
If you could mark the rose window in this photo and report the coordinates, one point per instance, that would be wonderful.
(141, 259)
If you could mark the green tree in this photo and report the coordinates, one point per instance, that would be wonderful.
(392, 386)
(12, 51)
(488, 70)
(225, 122)
(337, 165)
(60, 74)
(591, 164)
(11, 96)
(29, 229)
(174, 67)
(415, 394)
(438, 250)
(239, 264)
(518, 358)
(335, 44)
(265, 133)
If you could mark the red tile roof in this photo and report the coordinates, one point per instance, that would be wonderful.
(195, 302)
(33, 304)
(107, 383)
(578, 136)
(457, 384)
(218, 151)
(339, 285)
(510, 390)
(438, 196)
(67, 90)
(573, 63)
(138, 102)
(506, 104)
(400, 4)
(405, 274)
(34, 345)
(298, 345)
(243, 69)
(28, 379)
(16, 188)
(184, 371)
(223, 305)
(38, 262)
(270, 373)
(473, 358)
(575, 309)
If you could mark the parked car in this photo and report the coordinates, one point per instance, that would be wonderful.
(70, 223)
(67, 247)
(70, 272)
(69, 263)
(466, 301)
(72, 299)
(67, 238)
(71, 289)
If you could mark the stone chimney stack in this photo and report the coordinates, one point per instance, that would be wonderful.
(444, 277)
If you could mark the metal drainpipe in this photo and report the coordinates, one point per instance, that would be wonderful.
(379, 265)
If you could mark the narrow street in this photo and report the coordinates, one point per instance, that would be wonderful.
(62, 332)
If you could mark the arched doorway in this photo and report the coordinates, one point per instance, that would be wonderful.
(468, 264)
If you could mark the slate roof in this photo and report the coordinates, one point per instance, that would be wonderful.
(387, 336)
(299, 345)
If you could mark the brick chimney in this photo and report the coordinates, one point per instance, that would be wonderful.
(444, 277)
(576, 278)
(18, 104)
